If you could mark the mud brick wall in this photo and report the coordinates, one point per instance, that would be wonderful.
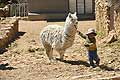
(117, 22)
(8, 31)
(107, 18)
(100, 17)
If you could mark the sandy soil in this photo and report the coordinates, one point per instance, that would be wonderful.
(28, 61)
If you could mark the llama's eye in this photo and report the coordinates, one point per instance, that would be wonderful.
(72, 19)
(76, 22)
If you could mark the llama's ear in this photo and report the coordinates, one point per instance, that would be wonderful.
(75, 13)
(69, 15)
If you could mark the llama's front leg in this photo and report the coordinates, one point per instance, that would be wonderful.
(61, 55)
(49, 52)
(50, 55)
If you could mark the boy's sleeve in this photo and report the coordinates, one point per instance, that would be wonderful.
(81, 34)
(87, 44)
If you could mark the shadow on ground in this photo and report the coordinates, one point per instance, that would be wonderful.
(106, 68)
(20, 33)
(79, 62)
(2, 50)
(17, 36)
(6, 67)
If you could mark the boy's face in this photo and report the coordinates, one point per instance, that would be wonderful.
(91, 35)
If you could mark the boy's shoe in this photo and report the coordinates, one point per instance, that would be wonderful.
(98, 62)
(92, 66)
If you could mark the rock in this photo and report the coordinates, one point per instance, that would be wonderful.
(111, 37)
(110, 62)
(110, 78)
(33, 48)
(97, 69)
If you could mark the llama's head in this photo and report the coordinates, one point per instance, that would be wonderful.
(71, 24)
(71, 20)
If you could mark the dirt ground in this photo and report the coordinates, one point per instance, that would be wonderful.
(28, 61)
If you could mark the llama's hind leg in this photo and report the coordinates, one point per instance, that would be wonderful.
(49, 52)
(61, 52)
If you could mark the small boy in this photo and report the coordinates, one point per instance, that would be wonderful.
(90, 44)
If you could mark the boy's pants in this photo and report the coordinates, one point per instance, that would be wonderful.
(93, 56)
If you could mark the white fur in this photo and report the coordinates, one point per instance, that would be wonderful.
(59, 37)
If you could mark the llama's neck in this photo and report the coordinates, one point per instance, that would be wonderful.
(69, 29)
(68, 36)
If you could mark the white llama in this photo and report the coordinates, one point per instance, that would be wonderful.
(58, 37)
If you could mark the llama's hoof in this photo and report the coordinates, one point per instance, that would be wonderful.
(50, 62)
(61, 59)
(53, 61)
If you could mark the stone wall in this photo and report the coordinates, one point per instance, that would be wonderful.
(117, 22)
(4, 12)
(107, 17)
(8, 31)
(100, 18)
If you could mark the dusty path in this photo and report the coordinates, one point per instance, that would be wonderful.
(28, 61)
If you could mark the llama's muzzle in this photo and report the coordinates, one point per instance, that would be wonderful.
(75, 25)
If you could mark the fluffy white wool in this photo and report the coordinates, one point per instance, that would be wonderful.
(59, 37)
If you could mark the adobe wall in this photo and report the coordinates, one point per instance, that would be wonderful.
(8, 31)
(107, 18)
